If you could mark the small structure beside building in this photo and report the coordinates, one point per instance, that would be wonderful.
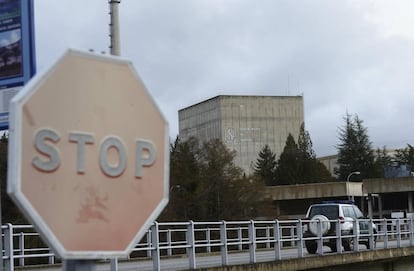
(398, 171)
(292, 201)
(377, 198)
(389, 195)
(331, 163)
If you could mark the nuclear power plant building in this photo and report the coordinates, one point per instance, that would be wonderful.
(244, 123)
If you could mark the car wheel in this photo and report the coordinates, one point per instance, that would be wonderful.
(311, 247)
(349, 244)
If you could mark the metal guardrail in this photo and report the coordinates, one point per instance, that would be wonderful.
(23, 246)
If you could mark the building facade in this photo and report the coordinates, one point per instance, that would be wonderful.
(244, 123)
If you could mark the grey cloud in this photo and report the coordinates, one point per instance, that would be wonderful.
(190, 50)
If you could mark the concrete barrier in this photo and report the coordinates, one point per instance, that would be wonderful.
(396, 259)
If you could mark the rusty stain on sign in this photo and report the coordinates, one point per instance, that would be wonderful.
(93, 207)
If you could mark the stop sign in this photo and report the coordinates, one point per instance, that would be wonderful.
(88, 156)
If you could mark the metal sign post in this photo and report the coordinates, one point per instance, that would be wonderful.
(114, 27)
(79, 265)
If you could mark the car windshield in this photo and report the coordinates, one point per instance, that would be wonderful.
(330, 211)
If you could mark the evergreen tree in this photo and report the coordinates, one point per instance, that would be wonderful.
(312, 170)
(354, 151)
(10, 212)
(266, 165)
(184, 175)
(305, 143)
(298, 164)
(288, 165)
(405, 156)
(346, 151)
(207, 185)
(222, 193)
(382, 161)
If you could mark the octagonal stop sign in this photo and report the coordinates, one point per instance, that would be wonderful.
(88, 156)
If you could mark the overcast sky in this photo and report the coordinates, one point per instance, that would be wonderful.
(343, 56)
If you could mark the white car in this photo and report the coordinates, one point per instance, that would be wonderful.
(324, 217)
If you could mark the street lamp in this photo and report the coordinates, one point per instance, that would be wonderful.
(347, 183)
(352, 173)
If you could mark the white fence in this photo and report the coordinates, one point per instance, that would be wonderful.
(22, 245)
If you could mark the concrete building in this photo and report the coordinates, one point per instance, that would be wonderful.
(244, 123)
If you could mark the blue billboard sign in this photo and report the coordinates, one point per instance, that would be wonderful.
(17, 54)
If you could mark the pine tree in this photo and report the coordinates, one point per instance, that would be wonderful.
(355, 151)
(305, 143)
(405, 156)
(382, 161)
(288, 165)
(311, 170)
(266, 165)
(184, 175)
(298, 164)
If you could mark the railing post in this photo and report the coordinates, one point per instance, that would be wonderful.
(240, 238)
(411, 229)
(292, 234)
(21, 248)
(398, 225)
(267, 236)
(252, 242)
(300, 238)
(169, 243)
(155, 247)
(355, 233)
(385, 226)
(208, 240)
(276, 234)
(338, 236)
(404, 228)
(114, 264)
(320, 238)
(191, 245)
(51, 258)
(8, 248)
(371, 238)
(149, 241)
(223, 241)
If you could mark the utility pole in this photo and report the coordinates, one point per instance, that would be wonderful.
(114, 27)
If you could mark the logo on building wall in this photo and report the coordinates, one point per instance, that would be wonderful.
(230, 135)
